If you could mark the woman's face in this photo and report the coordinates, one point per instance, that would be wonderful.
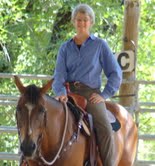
(82, 23)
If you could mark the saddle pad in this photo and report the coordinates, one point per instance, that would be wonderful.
(115, 124)
(113, 120)
(110, 116)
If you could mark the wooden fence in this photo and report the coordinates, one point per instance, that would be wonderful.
(6, 100)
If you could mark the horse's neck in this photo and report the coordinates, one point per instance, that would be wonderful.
(54, 125)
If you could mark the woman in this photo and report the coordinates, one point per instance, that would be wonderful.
(81, 61)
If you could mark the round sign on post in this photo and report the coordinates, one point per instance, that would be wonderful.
(126, 60)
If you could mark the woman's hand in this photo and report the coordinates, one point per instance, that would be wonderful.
(62, 98)
(96, 98)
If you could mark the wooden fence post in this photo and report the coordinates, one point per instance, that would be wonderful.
(130, 40)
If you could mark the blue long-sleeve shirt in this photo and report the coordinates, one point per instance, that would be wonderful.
(87, 65)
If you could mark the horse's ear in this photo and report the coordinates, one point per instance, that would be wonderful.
(47, 86)
(19, 84)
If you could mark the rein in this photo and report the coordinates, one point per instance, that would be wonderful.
(62, 141)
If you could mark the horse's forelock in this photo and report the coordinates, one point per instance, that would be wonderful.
(32, 94)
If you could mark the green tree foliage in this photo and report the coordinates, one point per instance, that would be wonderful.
(32, 31)
(146, 49)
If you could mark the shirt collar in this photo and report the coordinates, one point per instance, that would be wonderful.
(90, 37)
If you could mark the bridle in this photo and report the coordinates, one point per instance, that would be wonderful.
(63, 148)
(62, 141)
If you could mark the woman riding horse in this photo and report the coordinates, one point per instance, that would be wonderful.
(83, 61)
(48, 131)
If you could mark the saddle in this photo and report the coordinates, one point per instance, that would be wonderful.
(78, 104)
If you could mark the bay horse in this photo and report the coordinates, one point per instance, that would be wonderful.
(47, 134)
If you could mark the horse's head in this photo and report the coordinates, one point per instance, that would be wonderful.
(31, 116)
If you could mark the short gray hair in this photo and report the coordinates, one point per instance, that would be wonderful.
(83, 8)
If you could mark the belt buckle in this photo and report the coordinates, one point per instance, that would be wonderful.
(77, 84)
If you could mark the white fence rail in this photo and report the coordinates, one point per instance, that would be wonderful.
(6, 100)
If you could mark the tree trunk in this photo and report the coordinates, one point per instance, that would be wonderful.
(61, 24)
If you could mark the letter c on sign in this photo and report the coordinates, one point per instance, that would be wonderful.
(127, 64)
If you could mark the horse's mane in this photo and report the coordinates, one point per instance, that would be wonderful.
(32, 94)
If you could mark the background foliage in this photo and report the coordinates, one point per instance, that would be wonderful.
(31, 32)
